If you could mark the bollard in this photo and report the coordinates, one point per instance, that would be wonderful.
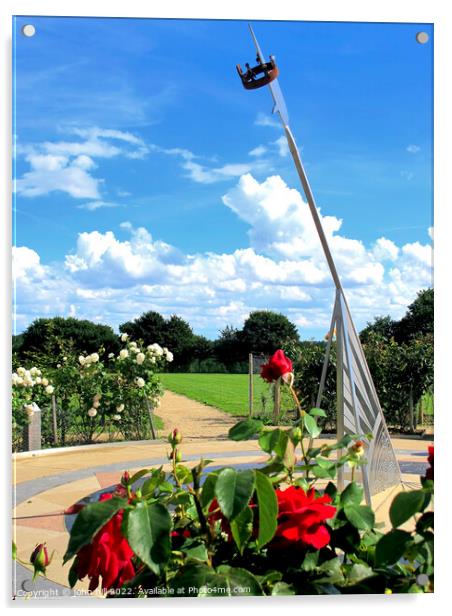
(32, 431)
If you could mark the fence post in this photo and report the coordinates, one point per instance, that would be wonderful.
(54, 421)
(250, 388)
(150, 419)
(32, 431)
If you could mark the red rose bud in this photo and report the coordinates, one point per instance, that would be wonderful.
(277, 366)
(39, 559)
(357, 449)
(177, 436)
(125, 478)
(73, 509)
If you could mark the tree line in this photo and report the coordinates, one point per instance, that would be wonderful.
(399, 352)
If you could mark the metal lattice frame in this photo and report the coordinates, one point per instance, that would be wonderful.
(358, 407)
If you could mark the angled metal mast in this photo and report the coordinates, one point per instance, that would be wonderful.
(358, 407)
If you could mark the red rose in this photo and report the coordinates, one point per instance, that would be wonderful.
(214, 517)
(278, 365)
(108, 555)
(431, 454)
(301, 519)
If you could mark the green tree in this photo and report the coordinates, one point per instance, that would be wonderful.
(149, 327)
(265, 331)
(418, 320)
(229, 347)
(382, 326)
(55, 336)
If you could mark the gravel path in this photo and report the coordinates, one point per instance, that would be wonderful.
(195, 420)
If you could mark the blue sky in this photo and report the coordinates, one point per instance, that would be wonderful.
(148, 178)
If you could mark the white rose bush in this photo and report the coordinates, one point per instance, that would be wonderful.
(29, 387)
(98, 397)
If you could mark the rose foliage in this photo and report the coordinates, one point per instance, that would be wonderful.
(279, 529)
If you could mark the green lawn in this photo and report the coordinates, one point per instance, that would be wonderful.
(227, 392)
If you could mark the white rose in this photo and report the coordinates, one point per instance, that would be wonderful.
(44, 382)
(29, 409)
(124, 337)
(28, 381)
(38, 380)
(58, 365)
(111, 355)
(152, 360)
(117, 417)
(94, 357)
(64, 358)
(140, 358)
(34, 371)
(123, 354)
(120, 408)
(97, 397)
(133, 345)
(140, 381)
(49, 389)
(81, 360)
(92, 412)
(169, 356)
(21, 371)
(96, 404)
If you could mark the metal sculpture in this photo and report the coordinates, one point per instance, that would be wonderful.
(358, 407)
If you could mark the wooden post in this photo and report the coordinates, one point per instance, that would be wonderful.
(150, 411)
(54, 421)
(250, 385)
(276, 400)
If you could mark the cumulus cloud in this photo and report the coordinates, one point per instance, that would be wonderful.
(106, 278)
(67, 165)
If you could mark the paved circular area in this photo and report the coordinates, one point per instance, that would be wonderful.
(46, 485)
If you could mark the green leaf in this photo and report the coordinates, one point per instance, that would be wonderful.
(147, 528)
(189, 579)
(352, 494)
(89, 521)
(315, 412)
(267, 507)
(233, 490)
(358, 572)
(311, 425)
(138, 475)
(405, 505)
(239, 582)
(332, 570)
(310, 561)
(245, 429)
(425, 522)
(282, 588)
(391, 547)
(208, 490)
(195, 549)
(183, 473)
(274, 440)
(73, 573)
(361, 516)
(242, 528)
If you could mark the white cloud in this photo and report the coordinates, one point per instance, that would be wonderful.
(66, 165)
(91, 206)
(281, 144)
(413, 149)
(113, 280)
(55, 173)
(265, 120)
(385, 249)
(260, 150)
